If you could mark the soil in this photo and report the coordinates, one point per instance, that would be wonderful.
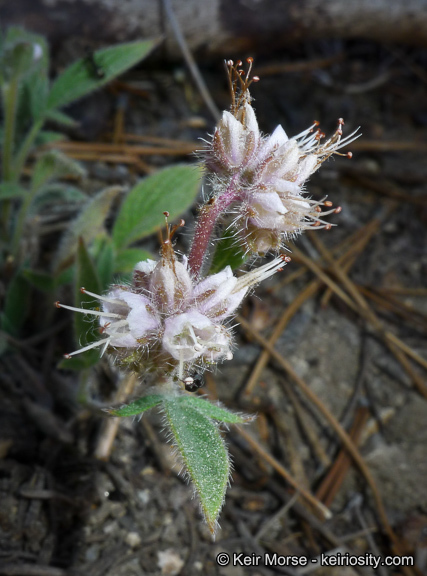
(63, 512)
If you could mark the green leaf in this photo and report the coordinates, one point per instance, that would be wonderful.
(37, 88)
(88, 225)
(213, 411)
(82, 77)
(138, 406)
(204, 454)
(22, 53)
(127, 259)
(84, 329)
(16, 304)
(57, 193)
(53, 165)
(172, 189)
(8, 191)
(48, 137)
(61, 118)
(227, 253)
(40, 280)
(105, 262)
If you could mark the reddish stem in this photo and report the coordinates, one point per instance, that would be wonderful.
(206, 222)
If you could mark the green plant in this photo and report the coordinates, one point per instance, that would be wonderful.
(29, 101)
(171, 322)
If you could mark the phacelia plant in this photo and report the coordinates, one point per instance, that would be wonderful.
(173, 319)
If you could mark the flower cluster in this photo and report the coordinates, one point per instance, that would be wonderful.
(272, 205)
(173, 319)
(166, 319)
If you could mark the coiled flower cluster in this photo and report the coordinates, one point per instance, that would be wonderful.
(272, 205)
(171, 318)
(167, 320)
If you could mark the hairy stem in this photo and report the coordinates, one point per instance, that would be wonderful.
(206, 222)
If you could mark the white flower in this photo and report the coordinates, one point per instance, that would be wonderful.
(168, 321)
(235, 141)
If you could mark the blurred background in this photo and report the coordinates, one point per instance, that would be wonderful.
(345, 321)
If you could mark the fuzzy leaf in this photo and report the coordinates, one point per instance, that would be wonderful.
(213, 410)
(227, 253)
(40, 280)
(89, 73)
(205, 456)
(57, 193)
(84, 328)
(9, 191)
(16, 304)
(87, 225)
(48, 137)
(126, 260)
(54, 164)
(61, 118)
(105, 262)
(173, 189)
(138, 406)
(37, 88)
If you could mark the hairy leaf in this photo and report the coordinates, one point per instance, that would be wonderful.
(213, 410)
(84, 326)
(53, 165)
(227, 253)
(16, 304)
(93, 71)
(126, 260)
(172, 189)
(8, 191)
(87, 225)
(205, 456)
(61, 118)
(138, 406)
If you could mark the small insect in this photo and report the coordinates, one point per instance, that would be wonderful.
(193, 383)
(92, 65)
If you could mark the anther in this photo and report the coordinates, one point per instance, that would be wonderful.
(315, 224)
(337, 210)
(349, 155)
(57, 304)
(166, 213)
(239, 63)
(255, 79)
(67, 356)
(328, 203)
(318, 209)
(316, 123)
(188, 381)
(341, 121)
(328, 226)
(250, 60)
(83, 290)
(230, 63)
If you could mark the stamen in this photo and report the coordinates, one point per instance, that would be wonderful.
(259, 274)
(102, 298)
(89, 347)
(83, 311)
